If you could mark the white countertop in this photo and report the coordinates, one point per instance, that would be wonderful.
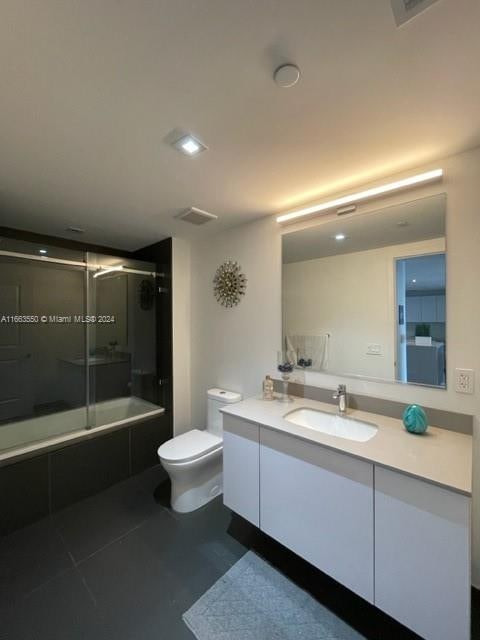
(440, 456)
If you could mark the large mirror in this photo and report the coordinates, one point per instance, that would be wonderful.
(364, 294)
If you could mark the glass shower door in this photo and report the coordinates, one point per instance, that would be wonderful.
(42, 393)
(121, 339)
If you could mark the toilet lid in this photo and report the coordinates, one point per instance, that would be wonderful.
(188, 446)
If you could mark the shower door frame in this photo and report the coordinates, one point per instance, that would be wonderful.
(88, 267)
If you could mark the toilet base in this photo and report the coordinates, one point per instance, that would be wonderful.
(195, 483)
(186, 499)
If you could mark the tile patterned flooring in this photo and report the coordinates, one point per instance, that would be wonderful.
(122, 566)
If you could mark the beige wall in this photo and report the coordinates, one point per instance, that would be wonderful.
(351, 297)
(236, 347)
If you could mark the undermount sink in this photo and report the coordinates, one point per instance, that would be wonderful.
(332, 424)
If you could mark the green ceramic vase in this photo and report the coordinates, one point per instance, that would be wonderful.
(415, 419)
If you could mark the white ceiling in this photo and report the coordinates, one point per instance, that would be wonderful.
(421, 219)
(90, 90)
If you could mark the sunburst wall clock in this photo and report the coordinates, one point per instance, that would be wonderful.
(229, 284)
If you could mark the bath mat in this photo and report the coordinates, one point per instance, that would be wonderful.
(253, 601)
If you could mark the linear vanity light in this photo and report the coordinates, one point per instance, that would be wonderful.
(368, 194)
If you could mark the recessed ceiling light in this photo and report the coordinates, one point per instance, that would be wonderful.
(414, 281)
(340, 236)
(42, 251)
(189, 145)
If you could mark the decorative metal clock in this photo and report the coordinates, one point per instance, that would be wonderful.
(229, 284)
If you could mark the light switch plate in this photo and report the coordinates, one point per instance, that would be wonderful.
(464, 381)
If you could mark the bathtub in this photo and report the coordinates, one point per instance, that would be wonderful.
(43, 433)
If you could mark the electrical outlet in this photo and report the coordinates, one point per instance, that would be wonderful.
(464, 380)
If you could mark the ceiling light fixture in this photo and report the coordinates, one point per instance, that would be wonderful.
(368, 194)
(42, 251)
(340, 236)
(189, 145)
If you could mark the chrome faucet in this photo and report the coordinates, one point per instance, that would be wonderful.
(341, 396)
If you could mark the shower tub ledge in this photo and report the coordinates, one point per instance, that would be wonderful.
(26, 438)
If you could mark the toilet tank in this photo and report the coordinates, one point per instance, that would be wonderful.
(218, 398)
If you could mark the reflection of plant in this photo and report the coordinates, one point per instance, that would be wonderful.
(286, 367)
(422, 330)
(305, 363)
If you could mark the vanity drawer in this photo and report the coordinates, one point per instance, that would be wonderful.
(241, 488)
(319, 504)
(422, 555)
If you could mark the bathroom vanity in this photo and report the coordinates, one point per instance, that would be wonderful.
(388, 517)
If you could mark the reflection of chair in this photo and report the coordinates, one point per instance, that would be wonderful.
(426, 364)
(144, 384)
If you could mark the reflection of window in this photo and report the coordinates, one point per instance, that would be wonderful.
(422, 339)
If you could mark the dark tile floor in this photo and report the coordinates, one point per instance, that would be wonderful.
(122, 566)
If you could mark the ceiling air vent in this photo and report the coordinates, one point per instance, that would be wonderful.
(196, 216)
(405, 10)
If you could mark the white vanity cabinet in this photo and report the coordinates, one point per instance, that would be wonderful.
(400, 542)
(241, 452)
(422, 555)
(319, 504)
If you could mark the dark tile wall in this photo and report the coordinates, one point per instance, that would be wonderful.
(24, 493)
(145, 440)
(161, 254)
(33, 488)
(83, 469)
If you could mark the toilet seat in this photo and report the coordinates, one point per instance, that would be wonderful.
(189, 446)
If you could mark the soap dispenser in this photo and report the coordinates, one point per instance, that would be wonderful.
(268, 388)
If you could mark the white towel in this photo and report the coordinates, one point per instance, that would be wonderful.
(290, 351)
(308, 347)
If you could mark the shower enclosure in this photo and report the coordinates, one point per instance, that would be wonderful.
(77, 342)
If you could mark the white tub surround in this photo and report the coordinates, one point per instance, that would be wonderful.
(388, 517)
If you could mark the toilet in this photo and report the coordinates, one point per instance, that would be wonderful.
(193, 460)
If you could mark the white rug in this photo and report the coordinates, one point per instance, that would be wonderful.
(253, 601)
